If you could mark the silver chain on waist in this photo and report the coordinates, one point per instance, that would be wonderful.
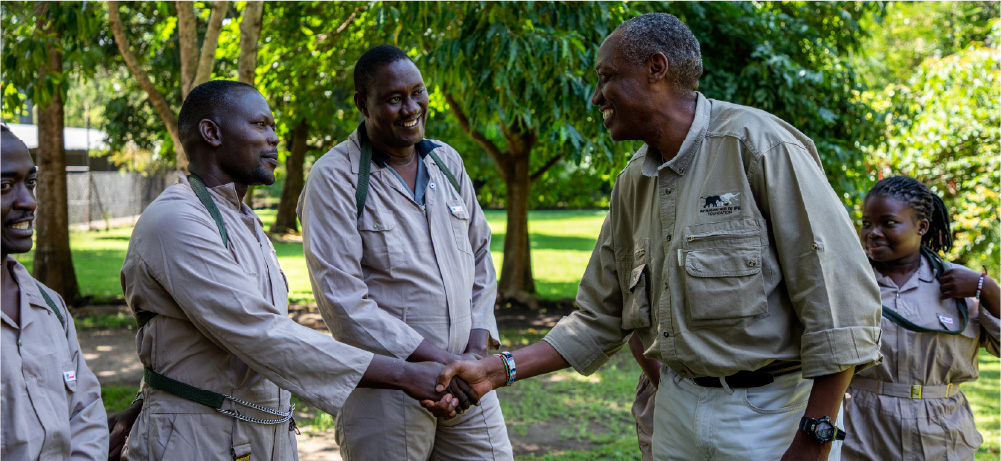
(282, 416)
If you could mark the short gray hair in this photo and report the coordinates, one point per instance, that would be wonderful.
(643, 36)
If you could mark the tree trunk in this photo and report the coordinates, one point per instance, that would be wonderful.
(250, 33)
(156, 98)
(286, 220)
(196, 66)
(516, 268)
(53, 264)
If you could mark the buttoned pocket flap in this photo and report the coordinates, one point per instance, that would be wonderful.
(634, 278)
(377, 219)
(729, 263)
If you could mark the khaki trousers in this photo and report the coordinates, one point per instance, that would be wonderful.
(377, 424)
(701, 423)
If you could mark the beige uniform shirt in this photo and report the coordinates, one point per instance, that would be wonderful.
(887, 427)
(51, 405)
(400, 273)
(222, 325)
(734, 254)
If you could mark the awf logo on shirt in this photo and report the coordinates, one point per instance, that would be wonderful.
(69, 376)
(723, 204)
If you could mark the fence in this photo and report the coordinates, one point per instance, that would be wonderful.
(99, 198)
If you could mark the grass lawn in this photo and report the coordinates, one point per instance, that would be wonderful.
(590, 414)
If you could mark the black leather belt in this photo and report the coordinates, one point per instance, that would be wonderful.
(745, 379)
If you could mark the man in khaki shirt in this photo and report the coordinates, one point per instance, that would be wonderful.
(728, 252)
(409, 274)
(222, 357)
(51, 403)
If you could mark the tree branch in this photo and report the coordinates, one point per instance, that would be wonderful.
(545, 167)
(477, 136)
(155, 96)
(211, 42)
(187, 36)
(250, 33)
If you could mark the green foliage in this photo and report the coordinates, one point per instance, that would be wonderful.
(942, 128)
(29, 30)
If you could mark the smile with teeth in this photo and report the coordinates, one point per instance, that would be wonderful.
(606, 113)
(412, 123)
(23, 225)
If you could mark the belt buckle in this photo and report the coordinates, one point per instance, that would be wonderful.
(915, 391)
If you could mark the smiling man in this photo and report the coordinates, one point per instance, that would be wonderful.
(398, 252)
(730, 255)
(52, 405)
(221, 355)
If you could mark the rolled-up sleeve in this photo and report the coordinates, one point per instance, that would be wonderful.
(990, 330)
(589, 337)
(333, 247)
(181, 251)
(824, 268)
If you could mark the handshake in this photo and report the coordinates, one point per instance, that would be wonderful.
(448, 390)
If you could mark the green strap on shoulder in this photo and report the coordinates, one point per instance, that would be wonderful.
(51, 303)
(203, 195)
(964, 313)
(142, 318)
(365, 167)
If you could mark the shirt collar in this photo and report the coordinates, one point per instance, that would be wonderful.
(689, 147)
(224, 196)
(380, 158)
(924, 274)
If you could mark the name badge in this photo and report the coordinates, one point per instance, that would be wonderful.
(69, 376)
(456, 208)
(945, 320)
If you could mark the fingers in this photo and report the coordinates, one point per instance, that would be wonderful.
(464, 401)
(446, 376)
(443, 408)
(465, 388)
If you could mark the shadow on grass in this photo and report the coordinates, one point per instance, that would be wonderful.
(118, 238)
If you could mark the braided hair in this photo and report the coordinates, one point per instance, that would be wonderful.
(926, 205)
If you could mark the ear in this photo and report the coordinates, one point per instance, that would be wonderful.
(360, 104)
(658, 65)
(923, 226)
(210, 132)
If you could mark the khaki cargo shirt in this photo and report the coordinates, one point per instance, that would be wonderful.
(401, 272)
(222, 325)
(734, 254)
(51, 405)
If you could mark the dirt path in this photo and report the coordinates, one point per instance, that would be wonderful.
(110, 353)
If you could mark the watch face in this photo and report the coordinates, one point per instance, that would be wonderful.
(824, 431)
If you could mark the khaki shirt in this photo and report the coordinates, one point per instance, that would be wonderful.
(51, 404)
(222, 325)
(400, 273)
(887, 427)
(734, 254)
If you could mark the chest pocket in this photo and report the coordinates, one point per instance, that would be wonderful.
(724, 285)
(460, 225)
(636, 293)
(382, 247)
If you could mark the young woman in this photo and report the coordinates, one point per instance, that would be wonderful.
(936, 316)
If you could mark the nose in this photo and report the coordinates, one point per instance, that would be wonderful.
(411, 107)
(25, 198)
(597, 98)
(272, 137)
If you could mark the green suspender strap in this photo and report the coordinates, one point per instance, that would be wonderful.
(365, 167)
(51, 303)
(212, 399)
(964, 314)
(142, 318)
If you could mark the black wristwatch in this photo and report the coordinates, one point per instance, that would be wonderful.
(821, 429)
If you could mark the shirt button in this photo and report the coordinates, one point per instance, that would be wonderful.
(431, 185)
(667, 335)
(19, 343)
(669, 190)
(752, 263)
(668, 237)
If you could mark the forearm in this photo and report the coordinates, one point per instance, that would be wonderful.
(384, 373)
(477, 344)
(650, 367)
(825, 400)
(427, 352)
(538, 359)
